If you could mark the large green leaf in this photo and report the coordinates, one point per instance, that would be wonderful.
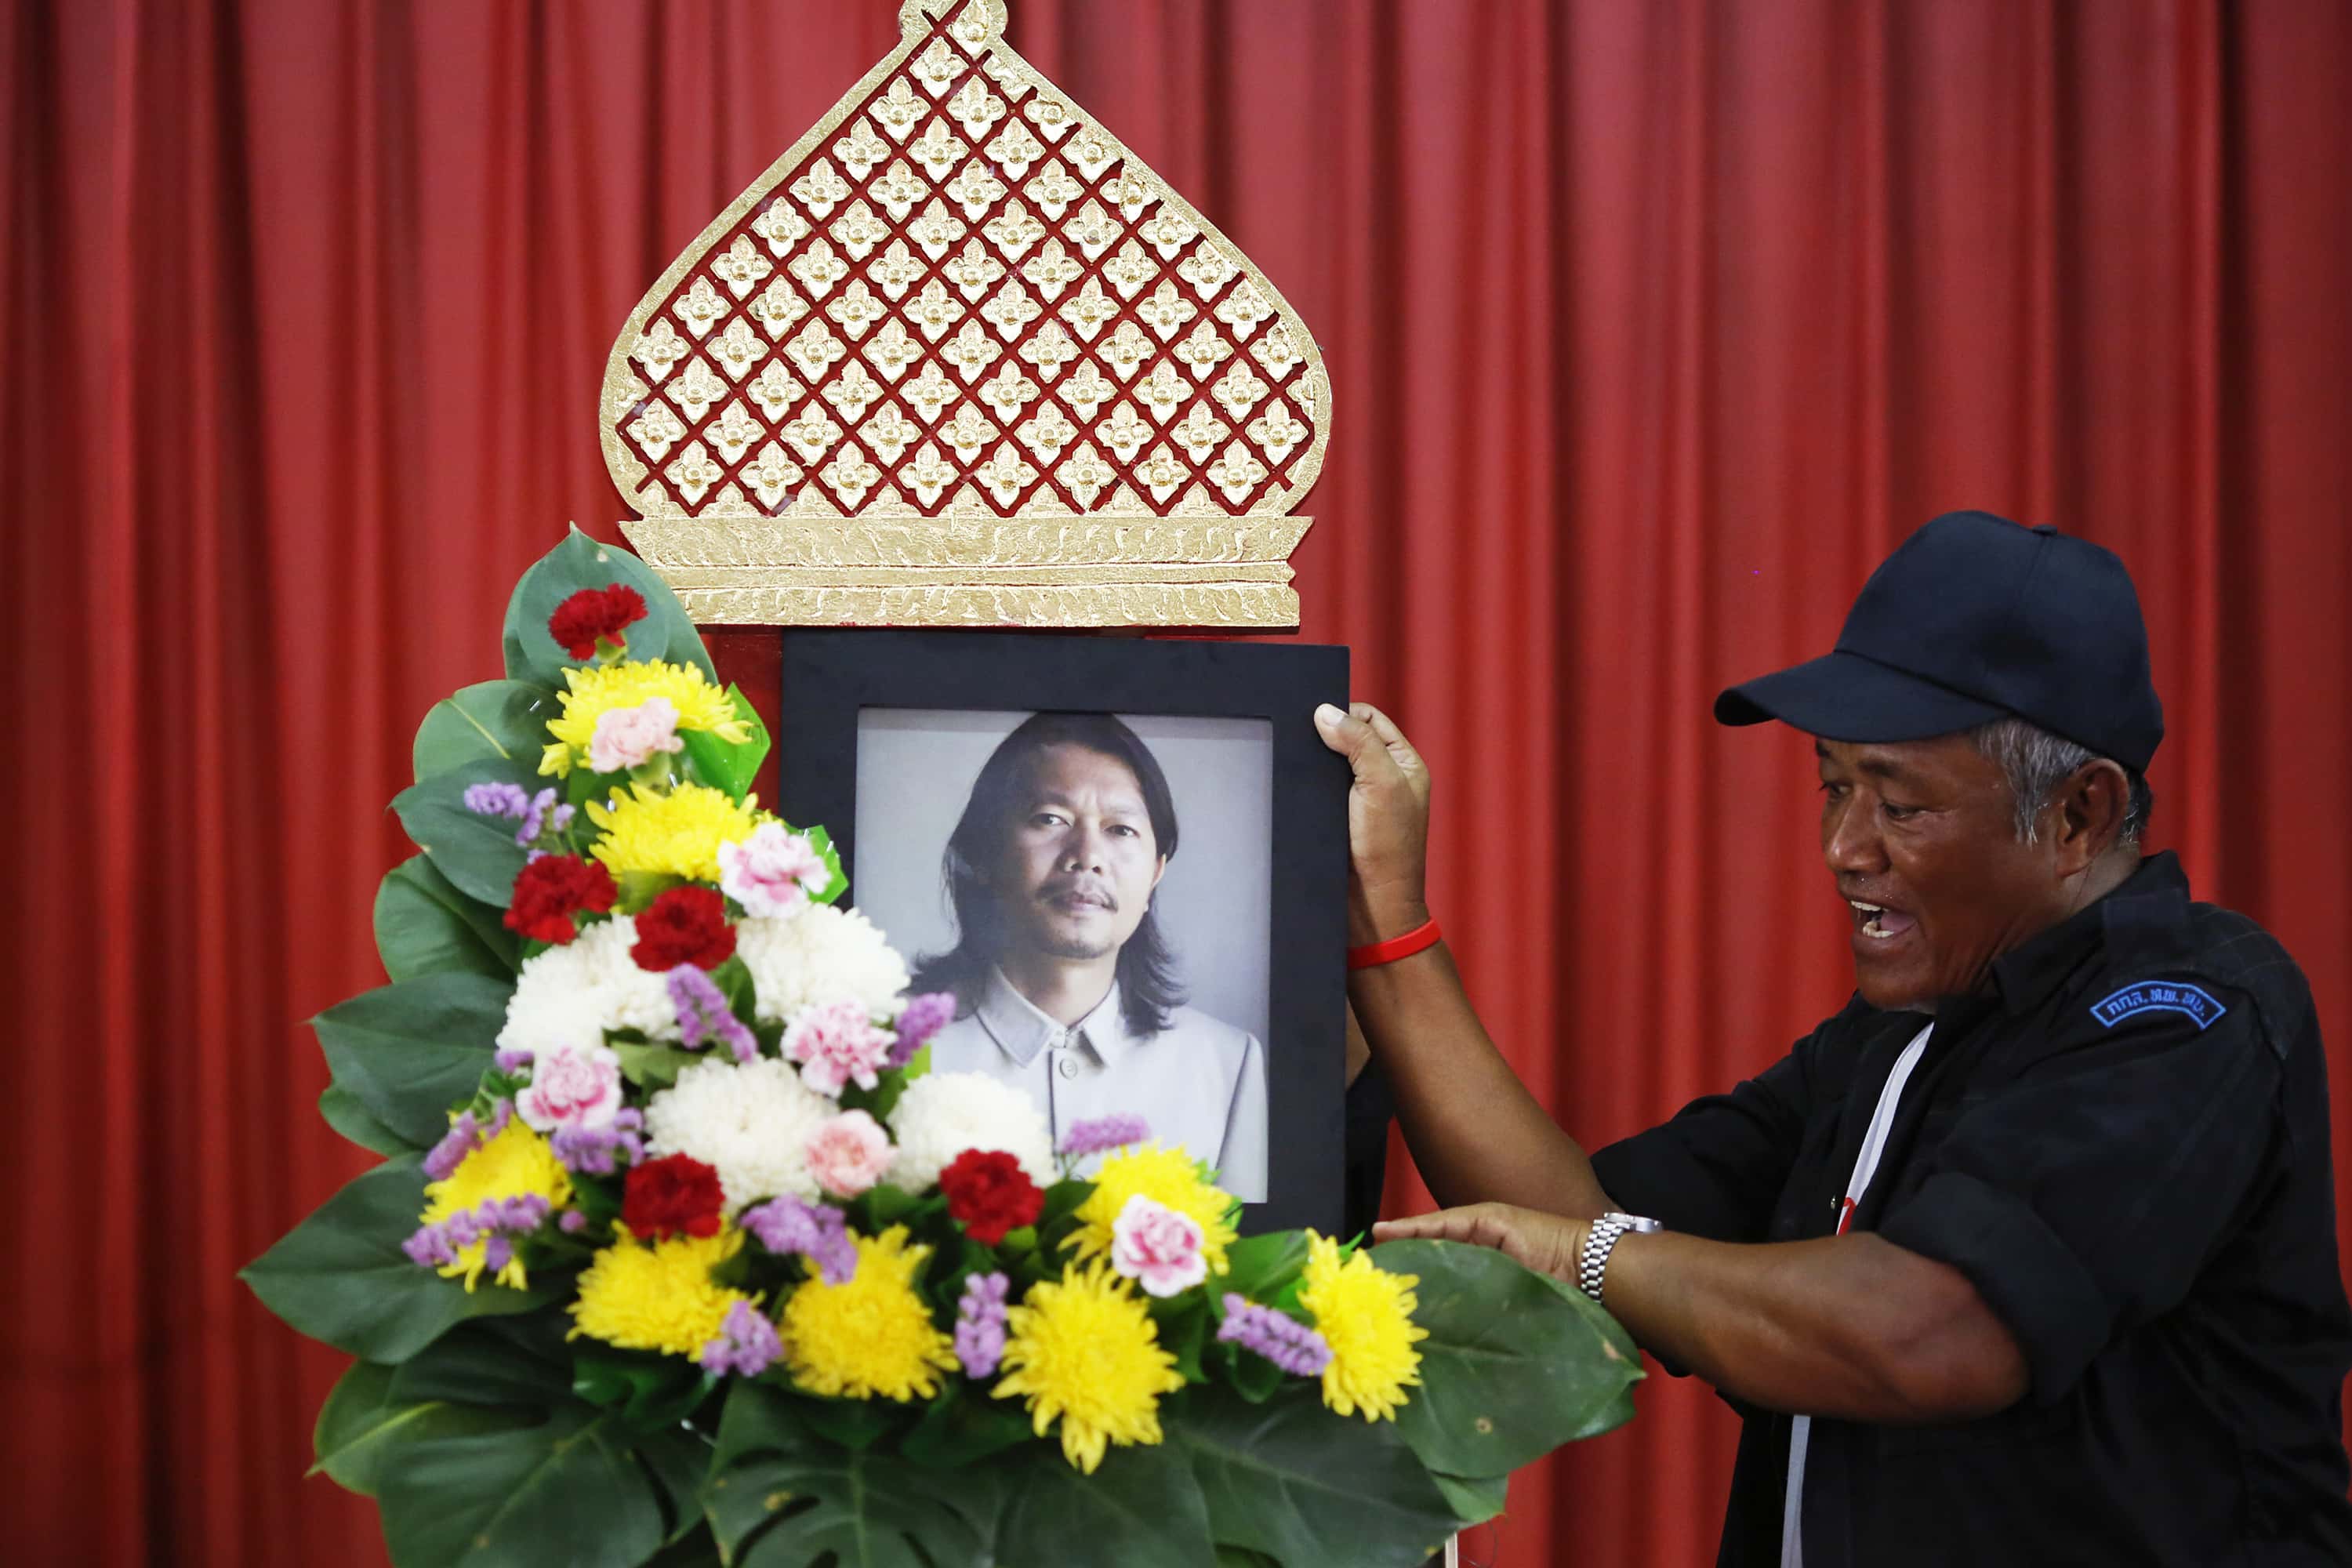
(506, 719)
(363, 1418)
(409, 1052)
(568, 1490)
(1309, 1488)
(424, 925)
(341, 1277)
(478, 853)
(1142, 1500)
(1474, 1502)
(519, 1361)
(1513, 1366)
(580, 562)
(782, 1497)
(727, 764)
(346, 1115)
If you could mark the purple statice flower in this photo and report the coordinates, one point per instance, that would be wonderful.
(497, 799)
(747, 1344)
(535, 815)
(818, 1232)
(919, 1020)
(1280, 1338)
(1101, 1134)
(595, 1150)
(512, 1060)
(703, 1014)
(980, 1324)
(494, 1222)
(573, 1222)
(465, 1135)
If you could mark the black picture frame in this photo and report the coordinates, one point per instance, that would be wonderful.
(830, 676)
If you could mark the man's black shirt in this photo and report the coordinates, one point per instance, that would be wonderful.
(2124, 1144)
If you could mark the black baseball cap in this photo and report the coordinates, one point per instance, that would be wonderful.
(1975, 618)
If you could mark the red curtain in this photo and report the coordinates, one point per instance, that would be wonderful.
(1654, 323)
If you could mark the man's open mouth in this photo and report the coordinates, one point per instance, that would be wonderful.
(1880, 923)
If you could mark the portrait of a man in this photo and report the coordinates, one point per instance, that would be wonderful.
(1068, 984)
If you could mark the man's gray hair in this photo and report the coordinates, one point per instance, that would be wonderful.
(2036, 762)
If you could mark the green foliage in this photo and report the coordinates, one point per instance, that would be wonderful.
(424, 925)
(344, 1113)
(1512, 1368)
(1473, 1501)
(478, 854)
(731, 765)
(362, 1421)
(408, 1052)
(339, 1276)
(1288, 1478)
(580, 562)
(781, 1497)
(655, 1066)
(504, 721)
(1145, 1499)
(567, 1489)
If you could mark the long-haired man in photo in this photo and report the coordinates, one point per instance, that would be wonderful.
(1064, 983)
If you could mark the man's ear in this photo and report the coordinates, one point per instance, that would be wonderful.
(2092, 804)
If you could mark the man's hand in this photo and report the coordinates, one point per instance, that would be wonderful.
(1546, 1243)
(1388, 821)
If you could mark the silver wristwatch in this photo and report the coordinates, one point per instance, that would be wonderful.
(1592, 1262)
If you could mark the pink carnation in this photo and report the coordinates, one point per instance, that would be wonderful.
(836, 1043)
(572, 1086)
(774, 872)
(848, 1153)
(1157, 1246)
(628, 738)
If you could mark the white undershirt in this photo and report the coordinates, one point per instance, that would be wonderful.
(1865, 1165)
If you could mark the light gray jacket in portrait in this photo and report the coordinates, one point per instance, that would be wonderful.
(1199, 1082)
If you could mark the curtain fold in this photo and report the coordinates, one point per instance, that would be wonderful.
(1652, 325)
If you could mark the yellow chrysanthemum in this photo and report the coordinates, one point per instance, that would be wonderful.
(1366, 1315)
(516, 1164)
(1169, 1177)
(657, 1298)
(599, 690)
(675, 833)
(872, 1336)
(1085, 1351)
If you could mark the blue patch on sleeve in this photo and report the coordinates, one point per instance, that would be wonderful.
(2159, 996)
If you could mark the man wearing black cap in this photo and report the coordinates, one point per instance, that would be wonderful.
(2028, 1255)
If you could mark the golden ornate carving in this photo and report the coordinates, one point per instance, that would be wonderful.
(959, 358)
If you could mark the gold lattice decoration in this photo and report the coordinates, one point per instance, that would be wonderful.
(959, 358)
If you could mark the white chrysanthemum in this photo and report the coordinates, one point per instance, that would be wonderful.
(941, 1115)
(569, 994)
(825, 953)
(749, 1123)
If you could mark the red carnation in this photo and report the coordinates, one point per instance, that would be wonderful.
(685, 925)
(990, 1193)
(551, 889)
(675, 1195)
(594, 613)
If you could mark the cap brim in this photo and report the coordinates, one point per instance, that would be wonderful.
(1845, 697)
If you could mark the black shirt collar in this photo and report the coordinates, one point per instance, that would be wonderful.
(2028, 972)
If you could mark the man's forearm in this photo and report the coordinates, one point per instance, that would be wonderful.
(1853, 1327)
(1476, 1132)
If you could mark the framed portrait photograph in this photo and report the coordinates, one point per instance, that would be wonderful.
(1126, 859)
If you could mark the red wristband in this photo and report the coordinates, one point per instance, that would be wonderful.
(1425, 935)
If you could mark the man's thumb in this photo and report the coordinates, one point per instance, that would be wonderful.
(1343, 732)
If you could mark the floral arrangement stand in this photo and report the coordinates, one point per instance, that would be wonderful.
(678, 1254)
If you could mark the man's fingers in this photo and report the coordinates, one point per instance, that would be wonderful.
(1391, 739)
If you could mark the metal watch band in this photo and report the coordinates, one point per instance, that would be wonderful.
(1592, 1262)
